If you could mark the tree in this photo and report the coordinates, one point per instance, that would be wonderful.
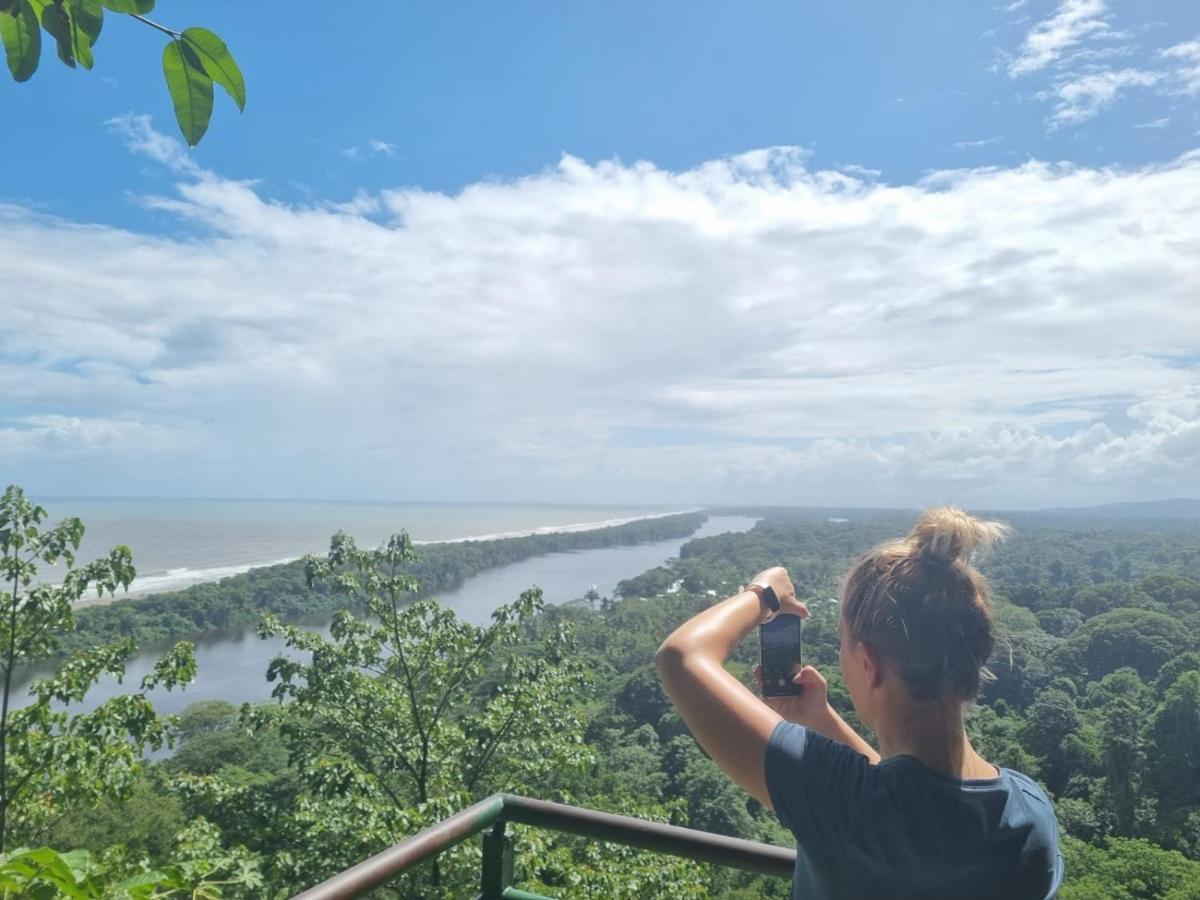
(1176, 734)
(1121, 700)
(51, 760)
(1137, 638)
(192, 60)
(1052, 722)
(1060, 621)
(714, 802)
(642, 697)
(1127, 869)
(404, 718)
(1172, 669)
(1092, 600)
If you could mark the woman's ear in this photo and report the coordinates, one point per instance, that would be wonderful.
(872, 664)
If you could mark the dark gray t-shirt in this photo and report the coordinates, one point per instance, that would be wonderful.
(901, 830)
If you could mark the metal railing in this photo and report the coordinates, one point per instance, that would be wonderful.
(497, 871)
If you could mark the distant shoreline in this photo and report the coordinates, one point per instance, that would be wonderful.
(177, 579)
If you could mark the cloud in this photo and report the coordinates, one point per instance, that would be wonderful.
(74, 437)
(141, 137)
(1154, 123)
(1082, 98)
(373, 147)
(1185, 61)
(749, 329)
(1073, 22)
(383, 147)
(970, 145)
(1079, 51)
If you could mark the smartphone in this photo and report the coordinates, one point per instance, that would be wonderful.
(781, 652)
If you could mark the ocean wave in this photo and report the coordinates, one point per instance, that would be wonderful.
(186, 576)
(559, 529)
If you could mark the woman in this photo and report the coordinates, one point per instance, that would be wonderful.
(926, 816)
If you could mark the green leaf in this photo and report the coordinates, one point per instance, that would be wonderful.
(58, 24)
(218, 62)
(152, 878)
(87, 18)
(132, 7)
(22, 40)
(191, 90)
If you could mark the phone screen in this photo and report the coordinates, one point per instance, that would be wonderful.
(781, 655)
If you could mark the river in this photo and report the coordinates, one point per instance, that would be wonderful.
(232, 666)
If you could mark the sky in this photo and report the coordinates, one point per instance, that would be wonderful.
(869, 254)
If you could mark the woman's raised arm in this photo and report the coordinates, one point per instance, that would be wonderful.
(729, 721)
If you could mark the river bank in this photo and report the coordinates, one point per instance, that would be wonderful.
(232, 663)
(178, 578)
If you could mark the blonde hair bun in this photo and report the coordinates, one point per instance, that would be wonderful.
(950, 534)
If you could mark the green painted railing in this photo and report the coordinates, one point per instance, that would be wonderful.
(497, 872)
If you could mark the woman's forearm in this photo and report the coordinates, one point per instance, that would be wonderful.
(730, 723)
(714, 633)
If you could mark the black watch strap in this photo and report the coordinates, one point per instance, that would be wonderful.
(768, 596)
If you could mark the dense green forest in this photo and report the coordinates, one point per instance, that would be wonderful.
(1096, 693)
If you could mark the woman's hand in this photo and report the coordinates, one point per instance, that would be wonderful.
(807, 708)
(777, 578)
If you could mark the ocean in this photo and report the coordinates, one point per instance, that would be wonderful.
(177, 543)
(232, 665)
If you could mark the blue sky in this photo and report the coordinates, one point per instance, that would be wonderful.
(552, 243)
(466, 91)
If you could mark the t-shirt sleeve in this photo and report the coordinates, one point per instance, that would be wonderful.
(810, 778)
(1044, 842)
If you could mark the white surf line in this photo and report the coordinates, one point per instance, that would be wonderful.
(560, 529)
(177, 579)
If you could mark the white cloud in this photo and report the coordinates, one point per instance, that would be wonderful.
(749, 329)
(1079, 50)
(1153, 123)
(373, 147)
(1185, 60)
(73, 437)
(1073, 22)
(1082, 98)
(971, 145)
(141, 137)
(382, 147)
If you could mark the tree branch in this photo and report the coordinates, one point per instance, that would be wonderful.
(483, 760)
(5, 797)
(163, 28)
(457, 679)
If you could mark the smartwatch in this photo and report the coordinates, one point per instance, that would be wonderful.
(766, 593)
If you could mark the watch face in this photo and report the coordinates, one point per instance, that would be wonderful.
(771, 598)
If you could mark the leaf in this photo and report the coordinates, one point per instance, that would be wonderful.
(152, 878)
(58, 24)
(218, 63)
(191, 90)
(22, 40)
(52, 870)
(87, 18)
(131, 7)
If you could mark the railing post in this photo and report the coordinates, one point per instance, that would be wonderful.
(497, 863)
